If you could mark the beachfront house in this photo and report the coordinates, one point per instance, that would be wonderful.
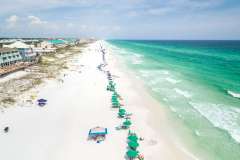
(70, 41)
(45, 44)
(44, 48)
(26, 51)
(58, 42)
(10, 59)
(9, 56)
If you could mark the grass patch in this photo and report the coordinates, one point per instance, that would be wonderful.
(8, 100)
(49, 67)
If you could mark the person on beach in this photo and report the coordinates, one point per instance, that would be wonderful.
(6, 129)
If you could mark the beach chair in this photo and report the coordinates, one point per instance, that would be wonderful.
(140, 157)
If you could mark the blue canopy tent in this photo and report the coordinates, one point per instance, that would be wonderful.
(97, 133)
(42, 102)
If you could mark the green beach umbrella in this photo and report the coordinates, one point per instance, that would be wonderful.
(133, 144)
(112, 85)
(115, 93)
(115, 103)
(121, 114)
(127, 123)
(133, 138)
(122, 110)
(132, 153)
(114, 98)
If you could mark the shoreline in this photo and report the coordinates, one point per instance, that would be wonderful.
(59, 129)
(156, 115)
(203, 118)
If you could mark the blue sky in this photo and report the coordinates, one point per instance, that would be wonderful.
(125, 19)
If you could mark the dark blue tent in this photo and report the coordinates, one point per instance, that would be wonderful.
(42, 100)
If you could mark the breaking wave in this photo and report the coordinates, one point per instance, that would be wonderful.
(234, 94)
(221, 116)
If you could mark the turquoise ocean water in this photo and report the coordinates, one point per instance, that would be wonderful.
(199, 83)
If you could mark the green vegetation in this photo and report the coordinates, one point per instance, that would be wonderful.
(49, 67)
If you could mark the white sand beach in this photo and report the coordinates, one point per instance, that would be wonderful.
(59, 130)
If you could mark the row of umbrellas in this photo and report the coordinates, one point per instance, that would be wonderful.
(133, 145)
(115, 101)
(132, 138)
(122, 113)
(111, 86)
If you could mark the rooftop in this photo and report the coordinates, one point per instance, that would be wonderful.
(57, 41)
(18, 44)
(7, 49)
(98, 131)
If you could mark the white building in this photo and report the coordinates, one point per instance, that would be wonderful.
(45, 44)
(17, 44)
(25, 50)
(44, 47)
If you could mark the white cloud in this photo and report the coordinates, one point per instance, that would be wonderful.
(36, 20)
(102, 17)
(12, 21)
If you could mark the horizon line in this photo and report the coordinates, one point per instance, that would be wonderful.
(124, 39)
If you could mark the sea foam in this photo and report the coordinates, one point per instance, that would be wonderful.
(221, 116)
(182, 92)
(144, 73)
(234, 94)
(171, 80)
(136, 58)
